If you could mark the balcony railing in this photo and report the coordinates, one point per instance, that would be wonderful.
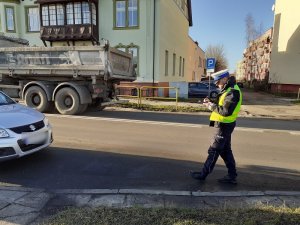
(80, 32)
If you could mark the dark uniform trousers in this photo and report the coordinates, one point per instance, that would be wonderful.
(221, 146)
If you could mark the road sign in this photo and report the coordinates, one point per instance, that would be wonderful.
(210, 65)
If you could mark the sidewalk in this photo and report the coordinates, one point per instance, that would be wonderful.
(255, 105)
(26, 206)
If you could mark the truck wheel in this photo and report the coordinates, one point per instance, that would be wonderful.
(83, 108)
(35, 97)
(67, 101)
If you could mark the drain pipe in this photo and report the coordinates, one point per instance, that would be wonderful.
(154, 41)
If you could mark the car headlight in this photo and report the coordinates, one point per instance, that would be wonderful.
(46, 122)
(3, 133)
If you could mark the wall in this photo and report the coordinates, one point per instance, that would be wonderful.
(173, 36)
(195, 62)
(285, 55)
(20, 22)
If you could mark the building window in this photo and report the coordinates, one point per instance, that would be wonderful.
(94, 14)
(33, 19)
(194, 76)
(174, 64)
(180, 62)
(126, 13)
(200, 62)
(10, 19)
(166, 63)
(76, 13)
(183, 62)
(60, 15)
(132, 49)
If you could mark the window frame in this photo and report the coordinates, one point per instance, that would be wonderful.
(92, 18)
(14, 18)
(126, 27)
(166, 63)
(174, 64)
(27, 18)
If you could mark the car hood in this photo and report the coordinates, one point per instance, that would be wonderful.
(16, 115)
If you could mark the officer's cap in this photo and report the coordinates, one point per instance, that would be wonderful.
(221, 74)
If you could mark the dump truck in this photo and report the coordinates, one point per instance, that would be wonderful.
(68, 79)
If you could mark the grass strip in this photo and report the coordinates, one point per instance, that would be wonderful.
(163, 108)
(140, 216)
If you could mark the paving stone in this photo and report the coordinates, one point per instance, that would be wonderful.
(184, 202)
(34, 200)
(80, 200)
(16, 210)
(19, 220)
(11, 196)
(283, 193)
(3, 204)
(108, 201)
(87, 191)
(264, 200)
(146, 201)
(291, 201)
(154, 192)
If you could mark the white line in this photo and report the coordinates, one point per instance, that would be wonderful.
(127, 121)
(245, 129)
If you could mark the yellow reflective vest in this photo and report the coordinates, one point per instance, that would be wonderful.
(215, 116)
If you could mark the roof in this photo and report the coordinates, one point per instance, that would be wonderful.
(13, 39)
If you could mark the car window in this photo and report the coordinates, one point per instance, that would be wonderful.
(203, 85)
(4, 100)
(192, 85)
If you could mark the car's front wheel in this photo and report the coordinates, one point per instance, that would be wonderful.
(213, 94)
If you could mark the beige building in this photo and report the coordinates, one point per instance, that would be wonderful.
(195, 68)
(285, 57)
(240, 71)
(256, 62)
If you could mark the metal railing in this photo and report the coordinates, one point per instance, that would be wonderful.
(139, 93)
(134, 92)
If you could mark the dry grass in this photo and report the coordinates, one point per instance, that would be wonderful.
(140, 216)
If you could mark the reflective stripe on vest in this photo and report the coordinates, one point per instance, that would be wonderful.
(215, 116)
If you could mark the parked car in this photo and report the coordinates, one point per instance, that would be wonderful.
(23, 130)
(201, 90)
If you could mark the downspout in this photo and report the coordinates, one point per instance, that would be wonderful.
(154, 41)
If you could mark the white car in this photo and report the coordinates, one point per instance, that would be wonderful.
(23, 130)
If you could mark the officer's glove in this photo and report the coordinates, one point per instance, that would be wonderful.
(211, 106)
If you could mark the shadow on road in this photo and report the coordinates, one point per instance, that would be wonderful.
(260, 123)
(58, 168)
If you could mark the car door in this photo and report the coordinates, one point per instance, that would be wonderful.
(202, 90)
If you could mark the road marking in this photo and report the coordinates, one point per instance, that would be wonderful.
(243, 129)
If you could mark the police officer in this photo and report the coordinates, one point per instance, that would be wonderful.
(225, 110)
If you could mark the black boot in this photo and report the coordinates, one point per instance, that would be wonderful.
(197, 175)
(228, 180)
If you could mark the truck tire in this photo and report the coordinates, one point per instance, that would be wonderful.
(67, 101)
(35, 97)
(83, 108)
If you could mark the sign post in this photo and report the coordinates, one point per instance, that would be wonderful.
(210, 68)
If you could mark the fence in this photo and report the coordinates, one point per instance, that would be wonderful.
(139, 93)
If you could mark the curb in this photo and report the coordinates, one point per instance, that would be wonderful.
(155, 192)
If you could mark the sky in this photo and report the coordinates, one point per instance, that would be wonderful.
(223, 22)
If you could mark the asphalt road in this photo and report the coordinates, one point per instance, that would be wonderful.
(156, 151)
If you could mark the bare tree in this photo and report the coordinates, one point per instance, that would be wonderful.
(251, 32)
(217, 52)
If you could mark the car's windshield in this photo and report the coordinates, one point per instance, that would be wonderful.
(4, 100)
